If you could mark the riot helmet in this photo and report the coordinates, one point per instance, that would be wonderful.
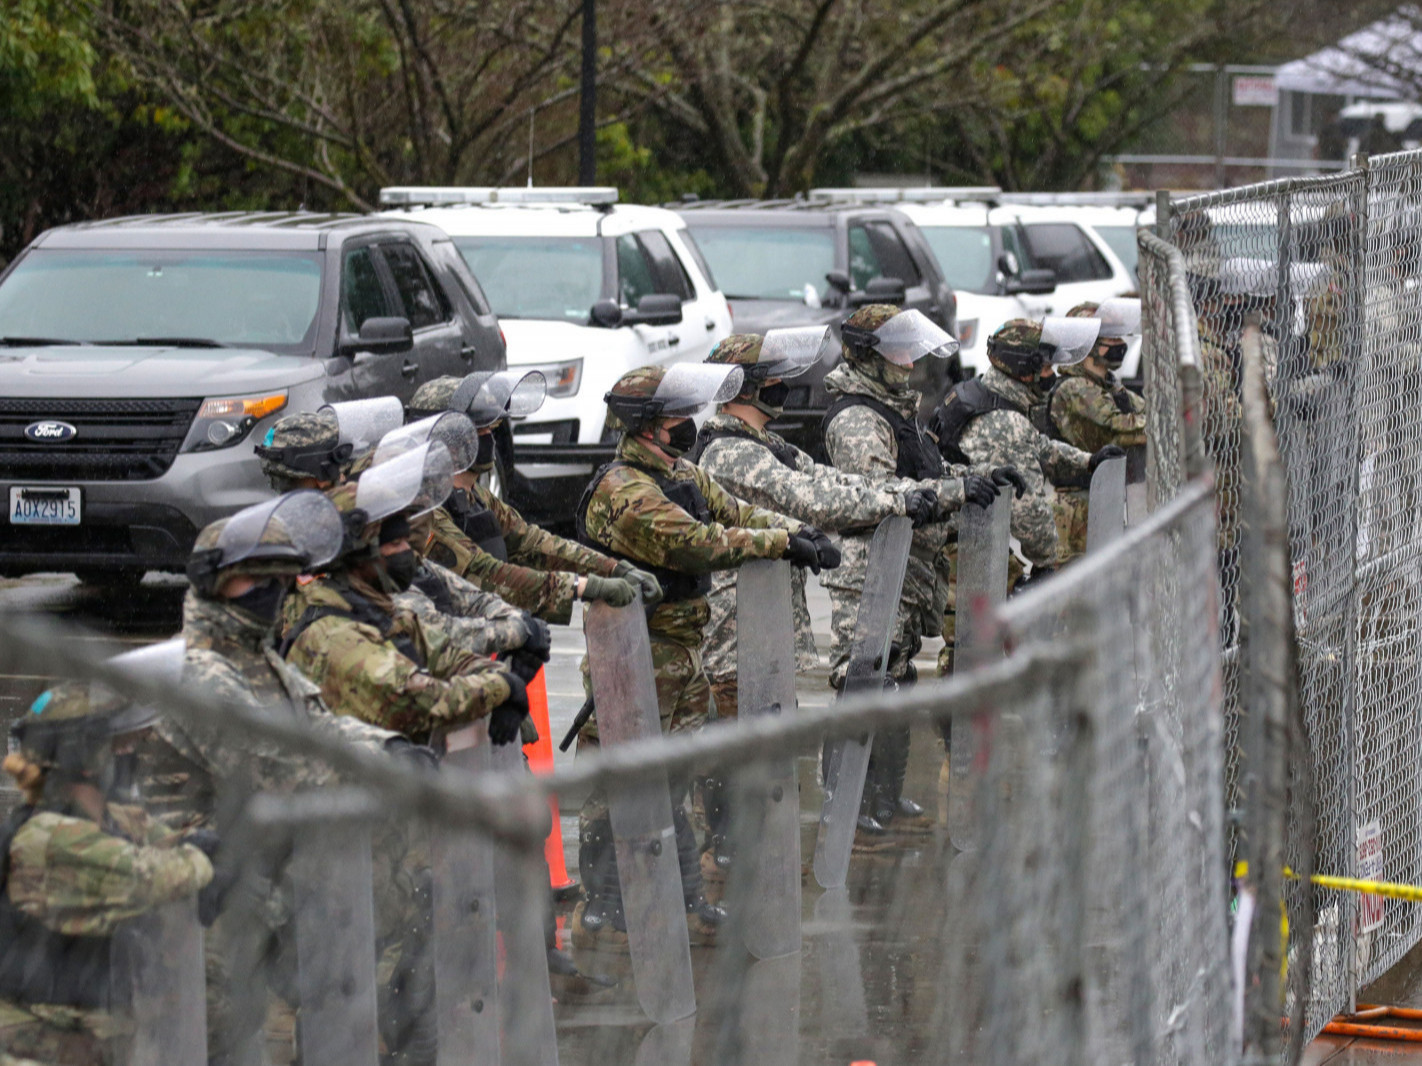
(454, 431)
(647, 394)
(291, 534)
(303, 445)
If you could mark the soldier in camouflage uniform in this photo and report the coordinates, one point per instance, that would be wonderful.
(744, 457)
(871, 431)
(74, 869)
(373, 660)
(667, 517)
(304, 451)
(482, 538)
(1089, 408)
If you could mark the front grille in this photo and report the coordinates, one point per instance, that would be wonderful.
(117, 440)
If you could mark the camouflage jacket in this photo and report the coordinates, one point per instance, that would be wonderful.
(362, 671)
(541, 574)
(1085, 413)
(820, 495)
(79, 878)
(860, 441)
(475, 620)
(1008, 438)
(630, 515)
(1223, 424)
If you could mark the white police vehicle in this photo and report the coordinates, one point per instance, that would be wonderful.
(585, 289)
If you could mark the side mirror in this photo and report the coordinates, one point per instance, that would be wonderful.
(880, 291)
(656, 309)
(1008, 265)
(1032, 283)
(606, 313)
(839, 281)
(382, 336)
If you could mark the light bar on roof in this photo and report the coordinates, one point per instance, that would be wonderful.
(1079, 199)
(919, 194)
(431, 195)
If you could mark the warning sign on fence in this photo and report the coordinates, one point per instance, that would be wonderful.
(1370, 868)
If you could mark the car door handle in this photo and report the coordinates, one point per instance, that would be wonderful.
(467, 353)
(673, 341)
(710, 324)
(409, 369)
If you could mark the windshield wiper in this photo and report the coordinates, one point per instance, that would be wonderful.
(36, 342)
(168, 342)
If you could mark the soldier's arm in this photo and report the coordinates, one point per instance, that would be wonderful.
(369, 678)
(1060, 461)
(93, 880)
(860, 442)
(534, 546)
(548, 595)
(826, 498)
(1096, 406)
(731, 511)
(1002, 438)
(636, 520)
(307, 696)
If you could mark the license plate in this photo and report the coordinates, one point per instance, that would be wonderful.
(44, 505)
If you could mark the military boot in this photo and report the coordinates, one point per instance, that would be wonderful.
(598, 921)
(895, 812)
(703, 919)
(716, 856)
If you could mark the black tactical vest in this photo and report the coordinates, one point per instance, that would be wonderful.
(782, 450)
(676, 586)
(38, 965)
(966, 401)
(918, 458)
(478, 523)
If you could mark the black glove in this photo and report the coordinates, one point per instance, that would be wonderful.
(920, 506)
(524, 665)
(978, 490)
(801, 551)
(507, 717)
(1038, 575)
(205, 840)
(647, 584)
(1008, 475)
(1110, 451)
(1123, 402)
(825, 550)
(540, 641)
(415, 755)
(615, 591)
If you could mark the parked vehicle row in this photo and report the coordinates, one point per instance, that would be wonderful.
(142, 358)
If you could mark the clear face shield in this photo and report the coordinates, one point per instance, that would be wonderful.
(303, 526)
(489, 398)
(910, 336)
(161, 662)
(416, 481)
(687, 388)
(364, 422)
(454, 431)
(788, 353)
(1067, 341)
(1120, 318)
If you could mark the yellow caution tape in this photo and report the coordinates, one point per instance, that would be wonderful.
(1411, 893)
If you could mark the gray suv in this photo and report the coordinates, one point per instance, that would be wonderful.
(142, 358)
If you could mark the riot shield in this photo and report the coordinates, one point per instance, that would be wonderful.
(157, 959)
(620, 661)
(847, 760)
(335, 943)
(842, 1003)
(770, 1013)
(1106, 506)
(983, 549)
(465, 944)
(765, 670)
(521, 888)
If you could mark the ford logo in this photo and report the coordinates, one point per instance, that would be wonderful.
(50, 432)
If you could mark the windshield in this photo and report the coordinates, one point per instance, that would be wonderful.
(239, 299)
(767, 262)
(1122, 241)
(556, 278)
(965, 255)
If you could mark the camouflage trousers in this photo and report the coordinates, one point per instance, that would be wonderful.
(683, 704)
(1015, 570)
(1069, 511)
(59, 1036)
(844, 610)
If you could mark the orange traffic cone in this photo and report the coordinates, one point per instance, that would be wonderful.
(540, 761)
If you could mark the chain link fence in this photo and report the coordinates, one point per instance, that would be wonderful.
(1329, 267)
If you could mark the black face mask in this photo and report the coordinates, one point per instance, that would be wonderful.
(261, 602)
(772, 398)
(681, 438)
(485, 456)
(1113, 356)
(400, 568)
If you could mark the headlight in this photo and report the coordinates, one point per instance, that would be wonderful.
(222, 423)
(564, 379)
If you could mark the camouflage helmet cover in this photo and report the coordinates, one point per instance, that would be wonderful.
(288, 535)
(434, 396)
(304, 444)
(65, 731)
(650, 393)
(900, 337)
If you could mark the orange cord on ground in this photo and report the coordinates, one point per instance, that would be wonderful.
(1362, 1024)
